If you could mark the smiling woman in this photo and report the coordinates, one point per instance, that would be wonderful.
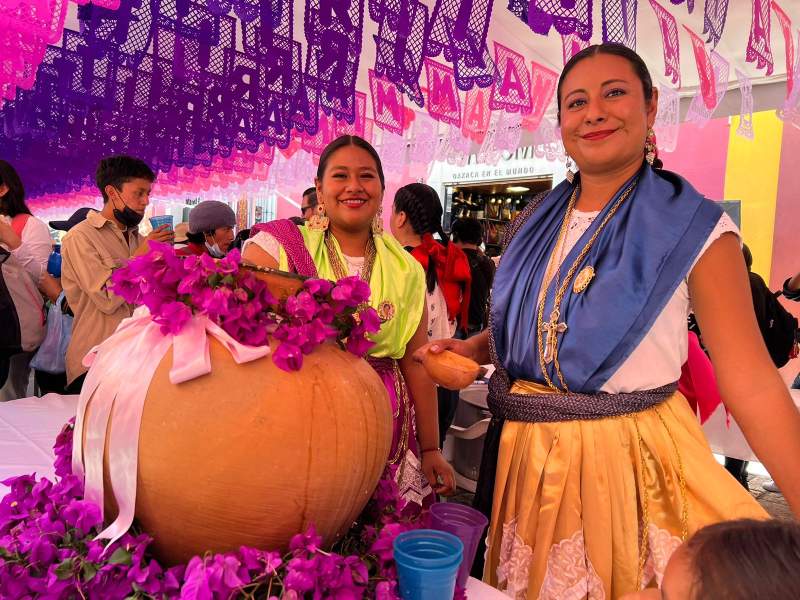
(595, 468)
(345, 238)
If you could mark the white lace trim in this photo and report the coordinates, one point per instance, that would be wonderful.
(661, 544)
(515, 562)
(570, 574)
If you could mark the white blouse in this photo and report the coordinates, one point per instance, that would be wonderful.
(658, 358)
(35, 249)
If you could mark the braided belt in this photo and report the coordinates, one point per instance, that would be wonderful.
(559, 406)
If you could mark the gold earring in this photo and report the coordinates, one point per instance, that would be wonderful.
(377, 222)
(319, 220)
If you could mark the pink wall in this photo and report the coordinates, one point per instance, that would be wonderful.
(786, 236)
(701, 156)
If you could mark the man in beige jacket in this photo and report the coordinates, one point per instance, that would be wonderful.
(94, 248)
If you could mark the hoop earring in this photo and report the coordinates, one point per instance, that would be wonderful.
(650, 148)
(319, 221)
(570, 165)
(377, 222)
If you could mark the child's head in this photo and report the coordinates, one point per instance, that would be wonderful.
(735, 560)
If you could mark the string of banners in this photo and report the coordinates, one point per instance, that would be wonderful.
(169, 80)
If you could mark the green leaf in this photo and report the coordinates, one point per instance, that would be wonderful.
(120, 557)
(89, 571)
(64, 570)
(228, 280)
(214, 279)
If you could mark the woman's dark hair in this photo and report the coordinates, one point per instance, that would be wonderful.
(13, 202)
(424, 211)
(639, 67)
(745, 559)
(748, 256)
(467, 231)
(349, 140)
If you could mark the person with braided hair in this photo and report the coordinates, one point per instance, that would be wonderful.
(416, 216)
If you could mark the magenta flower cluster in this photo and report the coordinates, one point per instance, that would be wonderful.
(174, 289)
(47, 551)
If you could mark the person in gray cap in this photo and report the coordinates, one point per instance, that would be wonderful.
(211, 226)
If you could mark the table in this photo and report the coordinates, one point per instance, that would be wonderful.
(729, 441)
(28, 430)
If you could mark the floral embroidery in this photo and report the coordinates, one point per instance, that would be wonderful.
(661, 544)
(570, 574)
(515, 561)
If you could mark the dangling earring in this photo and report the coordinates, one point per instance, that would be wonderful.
(377, 222)
(319, 220)
(650, 148)
(570, 172)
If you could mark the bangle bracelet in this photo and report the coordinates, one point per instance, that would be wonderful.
(424, 450)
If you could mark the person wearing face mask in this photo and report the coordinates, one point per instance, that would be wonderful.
(211, 226)
(95, 247)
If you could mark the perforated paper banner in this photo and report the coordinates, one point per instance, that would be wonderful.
(667, 125)
(715, 13)
(512, 89)
(698, 111)
(543, 86)
(476, 114)
(745, 128)
(571, 44)
(570, 16)
(444, 102)
(388, 109)
(705, 70)
(619, 21)
(786, 28)
(669, 37)
(759, 50)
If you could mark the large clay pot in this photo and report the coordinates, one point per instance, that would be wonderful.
(251, 455)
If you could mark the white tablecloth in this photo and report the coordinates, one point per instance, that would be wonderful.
(729, 441)
(28, 430)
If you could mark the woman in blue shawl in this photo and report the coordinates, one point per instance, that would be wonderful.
(600, 469)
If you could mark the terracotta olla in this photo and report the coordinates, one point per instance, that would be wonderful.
(251, 455)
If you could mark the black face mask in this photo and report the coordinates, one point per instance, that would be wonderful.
(127, 216)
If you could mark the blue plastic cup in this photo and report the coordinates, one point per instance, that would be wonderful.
(427, 564)
(160, 220)
(464, 522)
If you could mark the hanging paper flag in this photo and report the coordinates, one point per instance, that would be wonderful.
(423, 140)
(705, 70)
(790, 111)
(714, 15)
(326, 132)
(459, 28)
(669, 35)
(387, 104)
(667, 125)
(444, 103)
(786, 28)
(758, 44)
(689, 4)
(512, 89)
(619, 22)
(571, 44)
(476, 114)
(488, 153)
(571, 16)
(457, 147)
(508, 133)
(400, 43)
(546, 141)
(334, 33)
(357, 127)
(543, 85)
(745, 128)
(699, 112)
(392, 151)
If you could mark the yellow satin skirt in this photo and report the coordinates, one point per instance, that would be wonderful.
(594, 509)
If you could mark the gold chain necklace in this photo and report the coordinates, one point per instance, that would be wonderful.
(552, 328)
(336, 264)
